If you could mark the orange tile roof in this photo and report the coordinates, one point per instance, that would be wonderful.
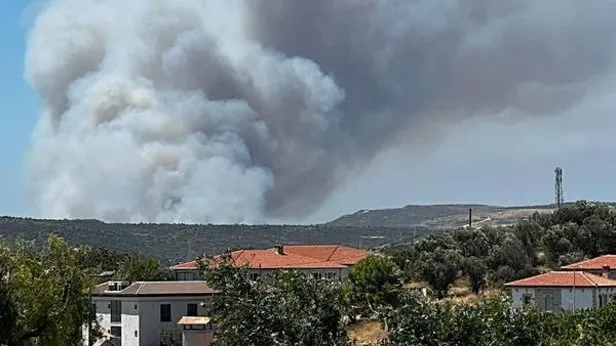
(596, 263)
(294, 257)
(336, 253)
(564, 279)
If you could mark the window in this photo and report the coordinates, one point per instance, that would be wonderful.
(254, 276)
(603, 300)
(191, 310)
(185, 276)
(165, 312)
(526, 299)
(317, 276)
(116, 311)
(330, 276)
(117, 336)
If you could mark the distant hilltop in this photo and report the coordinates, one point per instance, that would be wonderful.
(440, 216)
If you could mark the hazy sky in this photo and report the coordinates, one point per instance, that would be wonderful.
(503, 159)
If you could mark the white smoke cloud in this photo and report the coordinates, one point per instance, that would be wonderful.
(237, 111)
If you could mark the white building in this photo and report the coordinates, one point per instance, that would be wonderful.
(134, 314)
(320, 261)
(563, 291)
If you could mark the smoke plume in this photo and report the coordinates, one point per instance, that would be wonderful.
(238, 111)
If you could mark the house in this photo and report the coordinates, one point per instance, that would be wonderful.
(563, 290)
(603, 265)
(196, 331)
(330, 262)
(134, 314)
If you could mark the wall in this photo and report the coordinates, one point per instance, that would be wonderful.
(584, 298)
(517, 295)
(150, 324)
(142, 315)
(340, 274)
(197, 337)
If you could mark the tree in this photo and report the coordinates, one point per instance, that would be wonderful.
(48, 295)
(440, 269)
(372, 283)
(287, 309)
(476, 270)
(141, 268)
(171, 337)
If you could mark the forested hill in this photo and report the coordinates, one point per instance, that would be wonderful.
(177, 242)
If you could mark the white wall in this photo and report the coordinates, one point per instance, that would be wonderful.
(341, 274)
(142, 315)
(518, 293)
(583, 298)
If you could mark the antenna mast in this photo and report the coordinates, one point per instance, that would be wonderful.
(558, 187)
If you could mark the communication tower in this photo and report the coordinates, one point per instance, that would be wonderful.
(558, 187)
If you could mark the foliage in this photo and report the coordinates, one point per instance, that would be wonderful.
(439, 268)
(141, 268)
(494, 256)
(174, 243)
(171, 337)
(286, 309)
(374, 282)
(492, 321)
(44, 295)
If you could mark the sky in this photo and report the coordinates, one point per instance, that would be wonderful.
(491, 160)
(19, 109)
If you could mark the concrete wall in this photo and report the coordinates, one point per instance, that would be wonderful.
(197, 337)
(584, 298)
(517, 295)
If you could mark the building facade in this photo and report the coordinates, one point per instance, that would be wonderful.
(563, 291)
(134, 314)
(331, 262)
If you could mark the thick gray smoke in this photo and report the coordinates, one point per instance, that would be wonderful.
(237, 111)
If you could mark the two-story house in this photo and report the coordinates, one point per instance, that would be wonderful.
(134, 314)
(330, 262)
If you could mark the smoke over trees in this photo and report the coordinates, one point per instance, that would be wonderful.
(238, 111)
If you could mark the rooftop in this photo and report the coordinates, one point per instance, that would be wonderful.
(564, 279)
(292, 257)
(596, 263)
(156, 288)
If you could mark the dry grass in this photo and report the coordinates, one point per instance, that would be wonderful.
(366, 332)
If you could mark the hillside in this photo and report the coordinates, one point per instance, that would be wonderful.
(178, 242)
(440, 216)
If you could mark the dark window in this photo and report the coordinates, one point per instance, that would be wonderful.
(165, 312)
(526, 299)
(254, 276)
(117, 336)
(317, 276)
(116, 311)
(191, 310)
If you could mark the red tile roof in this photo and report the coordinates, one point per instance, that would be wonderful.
(293, 257)
(564, 279)
(596, 263)
(336, 253)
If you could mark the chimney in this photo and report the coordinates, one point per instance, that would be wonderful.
(606, 271)
(279, 249)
